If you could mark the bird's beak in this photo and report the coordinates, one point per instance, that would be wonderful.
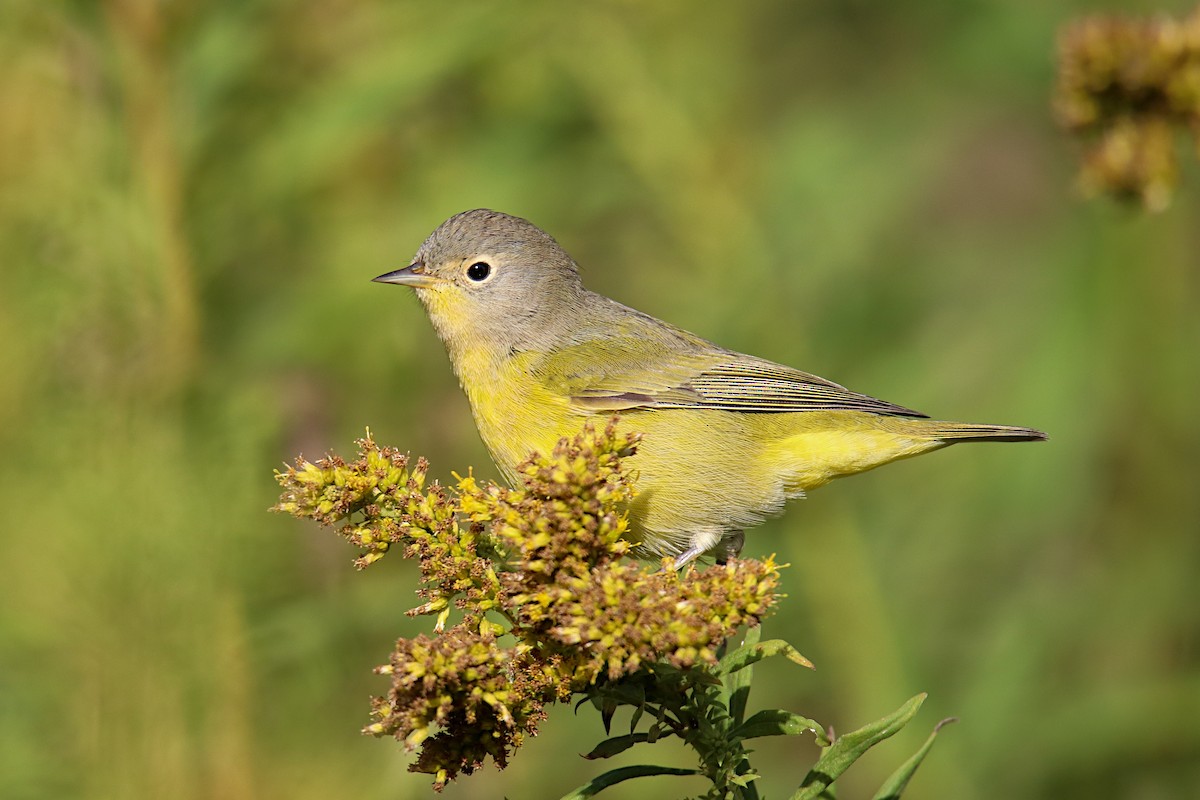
(413, 275)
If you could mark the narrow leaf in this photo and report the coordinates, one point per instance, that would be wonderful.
(744, 779)
(637, 717)
(738, 683)
(846, 750)
(749, 654)
(612, 777)
(777, 722)
(753, 635)
(617, 744)
(703, 677)
(894, 786)
(608, 709)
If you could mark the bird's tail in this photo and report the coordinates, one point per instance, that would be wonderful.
(953, 432)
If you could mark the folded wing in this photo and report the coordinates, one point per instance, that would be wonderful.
(664, 367)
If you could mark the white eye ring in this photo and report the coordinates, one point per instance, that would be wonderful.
(479, 271)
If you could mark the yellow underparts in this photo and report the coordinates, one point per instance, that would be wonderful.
(813, 458)
(700, 473)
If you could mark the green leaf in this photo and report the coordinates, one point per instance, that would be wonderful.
(753, 634)
(749, 654)
(777, 722)
(846, 750)
(894, 786)
(636, 718)
(608, 709)
(617, 744)
(703, 680)
(744, 779)
(738, 683)
(612, 777)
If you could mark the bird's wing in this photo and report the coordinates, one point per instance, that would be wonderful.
(663, 367)
(744, 383)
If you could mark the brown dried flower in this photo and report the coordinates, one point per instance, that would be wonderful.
(1126, 85)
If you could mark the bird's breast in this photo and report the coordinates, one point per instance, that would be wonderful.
(515, 412)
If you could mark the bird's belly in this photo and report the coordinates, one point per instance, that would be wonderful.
(707, 473)
(699, 474)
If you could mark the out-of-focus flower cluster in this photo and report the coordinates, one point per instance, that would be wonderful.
(540, 565)
(1127, 86)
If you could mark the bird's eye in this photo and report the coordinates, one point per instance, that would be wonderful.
(479, 271)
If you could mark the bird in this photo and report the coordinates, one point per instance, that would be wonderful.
(727, 438)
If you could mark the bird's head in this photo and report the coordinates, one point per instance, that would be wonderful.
(487, 278)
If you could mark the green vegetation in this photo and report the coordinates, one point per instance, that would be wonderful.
(195, 195)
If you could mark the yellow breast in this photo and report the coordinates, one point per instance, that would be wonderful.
(514, 412)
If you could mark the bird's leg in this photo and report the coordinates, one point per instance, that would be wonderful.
(687, 557)
(727, 548)
(731, 547)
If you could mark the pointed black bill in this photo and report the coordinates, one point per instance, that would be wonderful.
(413, 275)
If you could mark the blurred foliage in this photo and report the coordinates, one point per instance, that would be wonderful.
(1131, 82)
(195, 195)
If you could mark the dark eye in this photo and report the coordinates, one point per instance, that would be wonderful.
(479, 271)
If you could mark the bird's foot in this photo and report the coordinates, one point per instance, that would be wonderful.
(731, 547)
(726, 550)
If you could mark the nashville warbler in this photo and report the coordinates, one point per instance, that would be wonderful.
(727, 437)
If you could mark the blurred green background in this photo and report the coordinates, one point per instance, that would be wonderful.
(194, 196)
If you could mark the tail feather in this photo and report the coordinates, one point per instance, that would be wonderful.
(954, 432)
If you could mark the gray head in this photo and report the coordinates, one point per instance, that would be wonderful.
(487, 277)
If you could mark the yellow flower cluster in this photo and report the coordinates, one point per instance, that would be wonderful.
(543, 564)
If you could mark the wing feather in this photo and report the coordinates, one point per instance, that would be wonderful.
(618, 373)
